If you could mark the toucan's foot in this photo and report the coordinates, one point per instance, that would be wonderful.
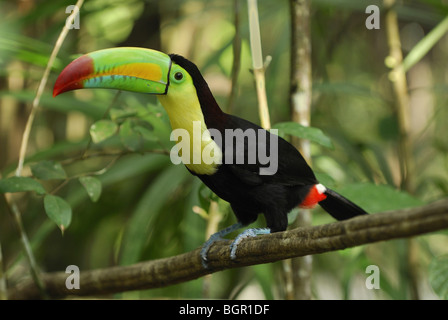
(243, 235)
(215, 237)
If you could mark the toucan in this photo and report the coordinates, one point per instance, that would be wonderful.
(233, 175)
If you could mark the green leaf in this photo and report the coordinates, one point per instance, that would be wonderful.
(204, 196)
(438, 276)
(58, 210)
(93, 187)
(20, 184)
(146, 133)
(47, 170)
(150, 205)
(116, 114)
(309, 133)
(64, 104)
(102, 129)
(130, 138)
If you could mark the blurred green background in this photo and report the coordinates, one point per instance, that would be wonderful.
(145, 205)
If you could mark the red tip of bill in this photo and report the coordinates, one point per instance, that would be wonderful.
(71, 78)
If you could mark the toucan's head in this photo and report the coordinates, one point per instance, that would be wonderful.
(175, 80)
(130, 69)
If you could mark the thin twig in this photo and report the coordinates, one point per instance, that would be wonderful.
(85, 174)
(3, 290)
(83, 157)
(300, 105)
(398, 79)
(40, 89)
(258, 64)
(35, 272)
(24, 146)
(262, 249)
(213, 217)
(426, 44)
(406, 161)
(236, 57)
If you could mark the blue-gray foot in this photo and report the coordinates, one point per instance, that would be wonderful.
(215, 237)
(243, 235)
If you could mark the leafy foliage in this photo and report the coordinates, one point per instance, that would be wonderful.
(102, 130)
(302, 132)
(97, 162)
(438, 276)
(93, 187)
(58, 210)
(48, 170)
(20, 184)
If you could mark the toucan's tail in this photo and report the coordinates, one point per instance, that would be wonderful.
(339, 207)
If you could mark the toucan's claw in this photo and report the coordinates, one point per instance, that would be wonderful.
(215, 237)
(243, 235)
(253, 232)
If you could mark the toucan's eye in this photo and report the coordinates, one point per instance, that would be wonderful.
(178, 76)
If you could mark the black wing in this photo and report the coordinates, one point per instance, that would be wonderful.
(275, 161)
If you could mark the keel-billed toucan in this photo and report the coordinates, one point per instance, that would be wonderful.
(187, 99)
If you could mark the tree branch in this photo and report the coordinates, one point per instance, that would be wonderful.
(262, 249)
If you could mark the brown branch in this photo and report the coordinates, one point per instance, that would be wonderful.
(262, 249)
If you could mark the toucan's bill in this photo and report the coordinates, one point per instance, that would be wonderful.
(131, 69)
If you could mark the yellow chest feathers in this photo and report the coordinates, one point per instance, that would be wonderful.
(195, 148)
